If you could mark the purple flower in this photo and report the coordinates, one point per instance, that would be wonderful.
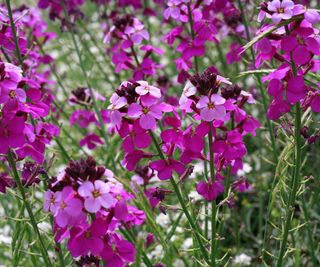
(136, 32)
(148, 112)
(83, 118)
(212, 108)
(282, 9)
(118, 253)
(67, 206)
(173, 9)
(96, 195)
(209, 190)
(11, 133)
(166, 167)
(144, 88)
(87, 238)
(117, 102)
(91, 140)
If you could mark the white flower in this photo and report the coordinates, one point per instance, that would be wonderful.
(187, 243)
(242, 259)
(246, 169)
(162, 220)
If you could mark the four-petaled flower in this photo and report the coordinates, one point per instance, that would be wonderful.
(96, 195)
(212, 108)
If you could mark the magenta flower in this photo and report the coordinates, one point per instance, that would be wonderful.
(282, 9)
(144, 88)
(210, 190)
(11, 133)
(231, 148)
(83, 118)
(136, 32)
(137, 137)
(296, 89)
(91, 140)
(118, 253)
(67, 206)
(96, 195)
(50, 202)
(7, 94)
(166, 167)
(212, 108)
(315, 101)
(87, 238)
(148, 112)
(302, 44)
(173, 9)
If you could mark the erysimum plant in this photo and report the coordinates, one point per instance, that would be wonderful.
(159, 133)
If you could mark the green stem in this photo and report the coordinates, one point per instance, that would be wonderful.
(17, 180)
(95, 106)
(213, 203)
(15, 38)
(295, 187)
(192, 35)
(296, 173)
(192, 224)
(309, 232)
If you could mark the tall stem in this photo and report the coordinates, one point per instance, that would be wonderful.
(192, 35)
(95, 105)
(296, 174)
(26, 203)
(192, 223)
(295, 187)
(15, 38)
(213, 203)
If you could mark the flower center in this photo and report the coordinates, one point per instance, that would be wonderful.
(300, 40)
(12, 94)
(210, 105)
(280, 10)
(63, 205)
(87, 234)
(145, 110)
(96, 193)
(52, 199)
(147, 88)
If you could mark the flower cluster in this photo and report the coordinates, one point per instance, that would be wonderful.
(25, 93)
(126, 36)
(136, 107)
(296, 47)
(88, 206)
(201, 22)
(56, 8)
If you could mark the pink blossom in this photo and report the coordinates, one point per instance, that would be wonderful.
(165, 168)
(210, 190)
(96, 195)
(91, 140)
(11, 133)
(67, 206)
(212, 108)
(136, 32)
(144, 88)
(173, 9)
(148, 112)
(188, 90)
(87, 238)
(117, 102)
(83, 118)
(282, 9)
(118, 252)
